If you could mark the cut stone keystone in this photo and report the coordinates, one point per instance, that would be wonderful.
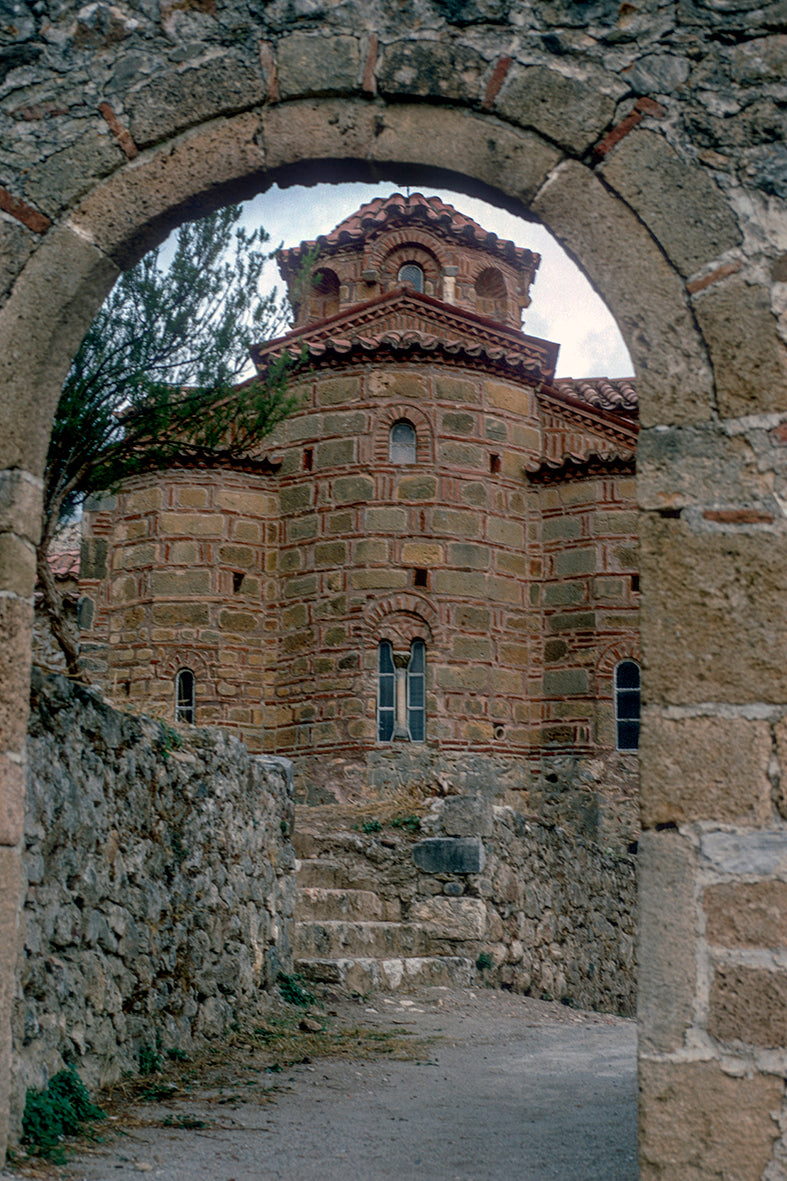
(450, 855)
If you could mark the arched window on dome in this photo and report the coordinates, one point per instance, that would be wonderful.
(413, 274)
(402, 442)
(490, 292)
(627, 705)
(185, 696)
(324, 298)
(401, 693)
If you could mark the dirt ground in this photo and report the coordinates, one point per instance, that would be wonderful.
(444, 1084)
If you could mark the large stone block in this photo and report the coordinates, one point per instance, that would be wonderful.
(16, 629)
(673, 375)
(747, 914)
(704, 768)
(667, 939)
(567, 109)
(451, 918)
(317, 63)
(748, 354)
(566, 682)
(12, 799)
(697, 1122)
(426, 68)
(444, 137)
(748, 1005)
(20, 505)
(680, 204)
(450, 855)
(17, 565)
(715, 611)
(179, 98)
(67, 273)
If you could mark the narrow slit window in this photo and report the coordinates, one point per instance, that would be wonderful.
(628, 696)
(402, 442)
(185, 707)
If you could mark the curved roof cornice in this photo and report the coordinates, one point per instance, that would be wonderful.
(415, 210)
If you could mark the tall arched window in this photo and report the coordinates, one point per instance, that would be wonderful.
(413, 274)
(401, 693)
(402, 442)
(627, 705)
(185, 704)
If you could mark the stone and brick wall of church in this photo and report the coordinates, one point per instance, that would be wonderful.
(179, 572)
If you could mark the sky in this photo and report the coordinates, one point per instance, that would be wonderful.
(564, 307)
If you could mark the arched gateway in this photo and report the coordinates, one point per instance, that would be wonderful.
(117, 124)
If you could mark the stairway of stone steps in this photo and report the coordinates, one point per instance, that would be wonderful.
(352, 922)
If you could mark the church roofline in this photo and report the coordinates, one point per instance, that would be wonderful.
(495, 336)
(431, 212)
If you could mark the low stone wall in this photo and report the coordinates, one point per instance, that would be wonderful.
(561, 915)
(160, 887)
(561, 911)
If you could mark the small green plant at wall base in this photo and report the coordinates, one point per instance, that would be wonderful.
(411, 823)
(293, 992)
(151, 1059)
(368, 826)
(61, 1109)
(484, 962)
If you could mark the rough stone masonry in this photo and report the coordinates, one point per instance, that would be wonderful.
(648, 137)
(159, 888)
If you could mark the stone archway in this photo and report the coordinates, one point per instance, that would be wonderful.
(659, 239)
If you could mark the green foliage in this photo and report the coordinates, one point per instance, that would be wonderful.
(484, 961)
(368, 826)
(410, 823)
(293, 992)
(156, 379)
(167, 741)
(150, 1058)
(60, 1109)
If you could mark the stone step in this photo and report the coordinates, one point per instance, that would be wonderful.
(337, 939)
(363, 975)
(330, 874)
(320, 903)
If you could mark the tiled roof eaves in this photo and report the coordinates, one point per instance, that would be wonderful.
(558, 397)
(432, 211)
(551, 471)
(341, 323)
(335, 350)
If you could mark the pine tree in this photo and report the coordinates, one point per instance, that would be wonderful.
(157, 379)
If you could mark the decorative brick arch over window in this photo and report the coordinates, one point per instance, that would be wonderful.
(424, 436)
(399, 628)
(402, 618)
(409, 246)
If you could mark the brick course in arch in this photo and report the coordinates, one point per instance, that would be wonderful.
(609, 154)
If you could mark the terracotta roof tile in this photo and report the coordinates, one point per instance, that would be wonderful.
(432, 211)
(548, 471)
(616, 394)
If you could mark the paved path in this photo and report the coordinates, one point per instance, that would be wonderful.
(510, 1088)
